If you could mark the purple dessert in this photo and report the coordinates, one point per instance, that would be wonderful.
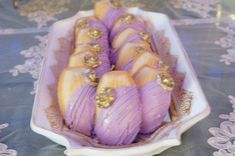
(155, 88)
(97, 33)
(120, 123)
(97, 43)
(99, 63)
(114, 12)
(103, 40)
(127, 21)
(132, 38)
(79, 115)
(155, 103)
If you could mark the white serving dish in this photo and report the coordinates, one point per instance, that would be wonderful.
(48, 122)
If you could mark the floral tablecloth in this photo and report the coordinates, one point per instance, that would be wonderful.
(206, 28)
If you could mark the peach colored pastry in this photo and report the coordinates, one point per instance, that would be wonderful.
(95, 48)
(118, 112)
(76, 96)
(129, 52)
(90, 31)
(126, 36)
(155, 87)
(127, 21)
(129, 34)
(150, 59)
(92, 60)
(109, 11)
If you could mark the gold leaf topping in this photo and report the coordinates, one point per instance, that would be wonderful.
(105, 98)
(82, 24)
(92, 61)
(145, 36)
(140, 49)
(113, 67)
(128, 19)
(93, 79)
(116, 4)
(94, 33)
(95, 48)
(166, 81)
(163, 65)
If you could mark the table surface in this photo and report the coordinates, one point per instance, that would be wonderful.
(206, 28)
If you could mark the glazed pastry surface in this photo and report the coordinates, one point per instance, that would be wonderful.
(155, 86)
(117, 119)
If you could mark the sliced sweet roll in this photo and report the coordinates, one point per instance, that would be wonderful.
(127, 21)
(88, 59)
(126, 36)
(118, 112)
(150, 59)
(76, 96)
(90, 31)
(127, 54)
(96, 48)
(155, 87)
(109, 11)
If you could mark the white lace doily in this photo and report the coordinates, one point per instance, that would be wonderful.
(223, 136)
(4, 151)
(34, 56)
(43, 11)
(228, 42)
(201, 7)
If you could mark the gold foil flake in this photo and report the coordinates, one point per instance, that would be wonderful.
(166, 81)
(82, 24)
(92, 61)
(94, 33)
(105, 98)
(145, 36)
(140, 49)
(113, 67)
(95, 48)
(93, 79)
(164, 66)
(116, 4)
(128, 19)
(186, 102)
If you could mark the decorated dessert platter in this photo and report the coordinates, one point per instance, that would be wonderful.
(116, 81)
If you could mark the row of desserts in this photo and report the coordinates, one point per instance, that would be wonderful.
(120, 111)
(132, 51)
(77, 83)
